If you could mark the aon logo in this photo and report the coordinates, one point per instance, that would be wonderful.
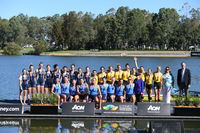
(78, 107)
(153, 108)
(77, 124)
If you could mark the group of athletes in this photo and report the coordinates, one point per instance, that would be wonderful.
(71, 85)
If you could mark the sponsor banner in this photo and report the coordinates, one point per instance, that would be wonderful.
(153, 108)
(9, 122)
(117, 125)
(78, 108)
(118, 109)
(11, 109)
(79, 123)
(44, 109)
(167, 126)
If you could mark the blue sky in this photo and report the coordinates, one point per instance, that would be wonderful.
(40, 8)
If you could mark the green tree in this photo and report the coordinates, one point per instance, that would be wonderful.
(165, 26)
(70, 29)
(12, 49)
(87, 31)
(99, 26)
(4, 32)
(18, 31)
(38, 29)
(137, 30)
(121, 27)
(57, 35)
(41, 46)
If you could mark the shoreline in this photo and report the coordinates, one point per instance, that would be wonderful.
(120, 53)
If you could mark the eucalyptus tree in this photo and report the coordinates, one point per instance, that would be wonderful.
(4, 32)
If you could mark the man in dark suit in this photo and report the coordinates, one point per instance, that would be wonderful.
(183, 79)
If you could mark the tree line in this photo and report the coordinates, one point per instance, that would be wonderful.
(121, 29)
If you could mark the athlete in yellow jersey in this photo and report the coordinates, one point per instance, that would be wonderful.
(110, 74)
(118, 73)
(94, 76)
(101, 75)
(149, 82)
(126, 73)
(143, 75)
(133, 74)
(157, 77)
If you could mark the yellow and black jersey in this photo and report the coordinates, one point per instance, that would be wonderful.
(126, 74)
(133, 77)
(109, 75)
(96, 79)
(157, 77)
(101, 76)
(149, 79)
(143, 76)
(118, 75)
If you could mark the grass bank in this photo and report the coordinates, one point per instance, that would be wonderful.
(119, 53)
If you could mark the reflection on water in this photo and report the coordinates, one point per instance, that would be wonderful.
(97, 126)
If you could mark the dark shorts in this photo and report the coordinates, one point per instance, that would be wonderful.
(157, 85)
(72, 95)
(128, 97)
(67, 96)
(104, 97)
(48, 84)
(92, 97)
(40, 82)
(149, 87)
(117, 98)
(110, 94)
(24, 87)
(31, 84)
(83, 97)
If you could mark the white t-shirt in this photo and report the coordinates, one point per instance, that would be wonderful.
(23, 77)
(20, 77)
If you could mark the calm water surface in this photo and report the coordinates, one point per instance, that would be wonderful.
(11, 66)
(98, 126)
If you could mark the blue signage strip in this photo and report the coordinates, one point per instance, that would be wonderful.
(146, 108)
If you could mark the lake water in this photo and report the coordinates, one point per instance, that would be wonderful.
(98, 126)
(11, 66)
